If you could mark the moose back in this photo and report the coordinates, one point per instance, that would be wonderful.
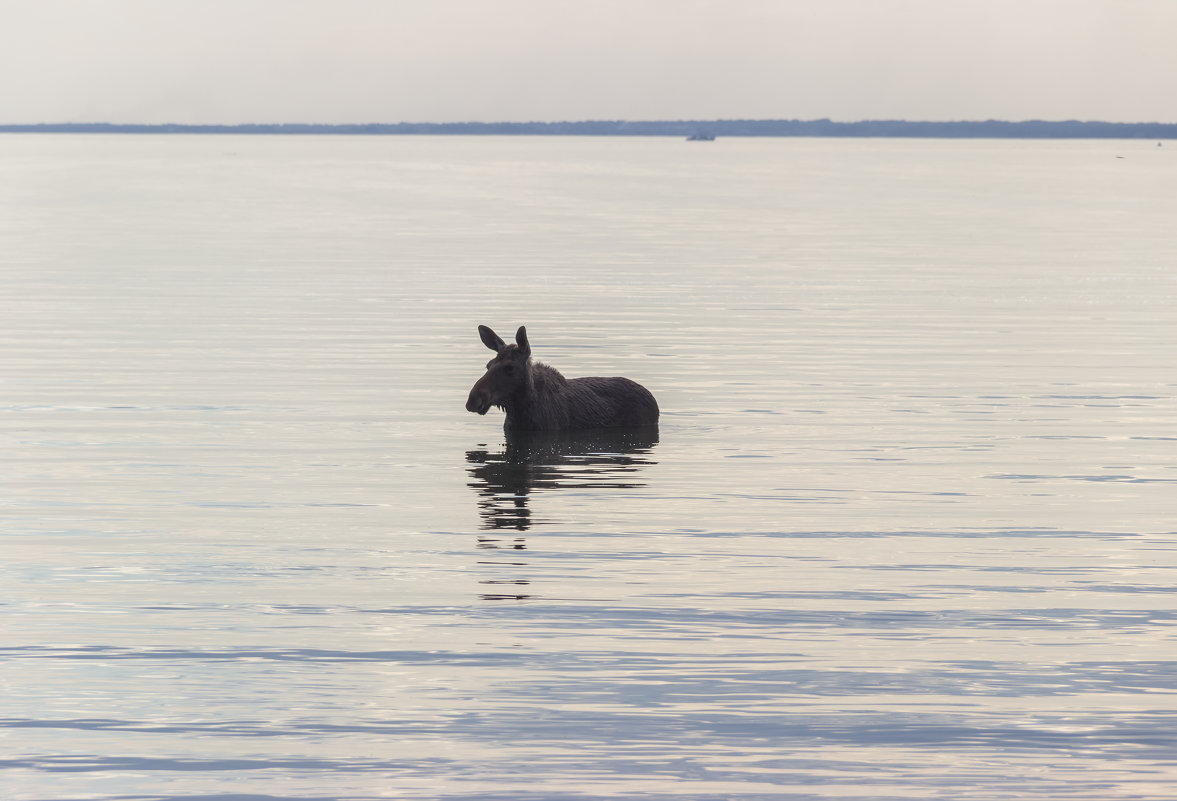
(536, 397)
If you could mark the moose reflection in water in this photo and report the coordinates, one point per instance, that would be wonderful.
(536, 397)
(531, 462)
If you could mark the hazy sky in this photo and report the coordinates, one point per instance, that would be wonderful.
(234, 61)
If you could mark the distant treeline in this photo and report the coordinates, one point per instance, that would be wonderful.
(988, 129)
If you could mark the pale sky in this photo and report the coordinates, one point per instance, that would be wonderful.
(340, 61)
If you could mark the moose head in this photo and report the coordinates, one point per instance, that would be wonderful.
(507, 374)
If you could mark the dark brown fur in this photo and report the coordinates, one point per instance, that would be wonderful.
(537, 398)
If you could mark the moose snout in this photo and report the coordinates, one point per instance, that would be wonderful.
(477, 402)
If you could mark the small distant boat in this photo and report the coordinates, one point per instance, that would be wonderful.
(701, 136)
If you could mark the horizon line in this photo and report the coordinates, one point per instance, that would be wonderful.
(691, 129)
(603, 120)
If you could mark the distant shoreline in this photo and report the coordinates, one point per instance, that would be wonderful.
(988, 129)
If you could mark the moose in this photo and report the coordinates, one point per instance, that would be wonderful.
(537, 398)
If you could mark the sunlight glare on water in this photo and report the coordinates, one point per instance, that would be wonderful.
(905, 531)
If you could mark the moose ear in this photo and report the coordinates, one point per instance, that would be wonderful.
(491, 339)
(521, 341)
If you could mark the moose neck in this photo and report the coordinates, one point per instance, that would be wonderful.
(537, 400)
(519, 406)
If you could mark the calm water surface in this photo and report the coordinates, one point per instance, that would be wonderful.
(906, 530)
